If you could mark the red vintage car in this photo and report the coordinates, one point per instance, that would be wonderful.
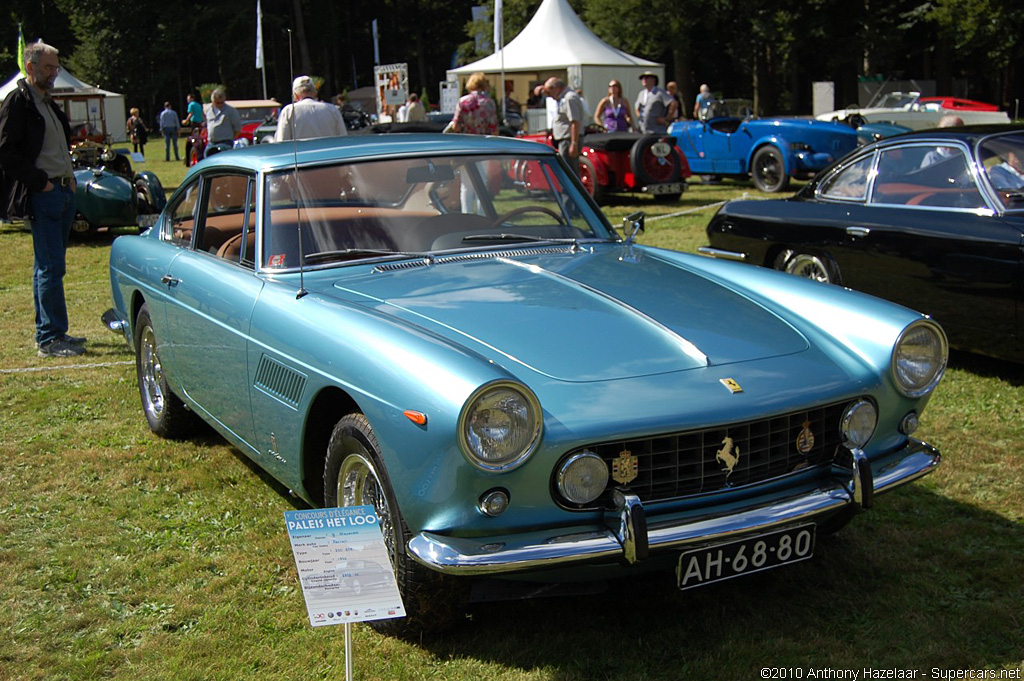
(627, 163)
(254, 112)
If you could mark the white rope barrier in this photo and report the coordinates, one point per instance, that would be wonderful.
(64, 367)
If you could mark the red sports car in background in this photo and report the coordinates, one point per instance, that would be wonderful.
(254, 112)
(627, 163)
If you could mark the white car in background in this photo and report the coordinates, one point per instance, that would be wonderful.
(917, 112)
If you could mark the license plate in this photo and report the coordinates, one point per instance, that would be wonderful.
(666, 188)
(724, 561)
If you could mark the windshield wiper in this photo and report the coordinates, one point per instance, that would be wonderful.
(355, 253)
(519, 237)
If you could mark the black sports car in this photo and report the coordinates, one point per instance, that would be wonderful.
(933, 220)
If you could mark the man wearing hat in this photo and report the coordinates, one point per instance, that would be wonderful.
(308, 117)
(654, 107)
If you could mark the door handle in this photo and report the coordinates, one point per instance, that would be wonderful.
(170, 281)
(859, 232)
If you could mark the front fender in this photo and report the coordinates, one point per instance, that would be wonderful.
(780, 144)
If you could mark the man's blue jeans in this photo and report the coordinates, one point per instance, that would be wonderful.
(52, 215)
(169, 137)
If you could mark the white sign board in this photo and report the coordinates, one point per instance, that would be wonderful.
(343, 565)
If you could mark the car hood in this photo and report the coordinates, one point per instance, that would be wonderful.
(611, 313)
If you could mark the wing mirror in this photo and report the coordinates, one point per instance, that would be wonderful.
(632, 225)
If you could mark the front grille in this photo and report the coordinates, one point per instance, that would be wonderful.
(686, 464)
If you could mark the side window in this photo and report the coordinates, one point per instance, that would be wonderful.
(926, 175)
(226, 212)
(183, 217)
(850, 182)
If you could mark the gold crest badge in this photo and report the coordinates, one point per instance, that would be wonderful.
(625, 467)
(805, 440)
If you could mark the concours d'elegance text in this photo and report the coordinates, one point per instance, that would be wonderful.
(891, 673)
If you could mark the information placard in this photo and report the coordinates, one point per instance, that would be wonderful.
(343, 565)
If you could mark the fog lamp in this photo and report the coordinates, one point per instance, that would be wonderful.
(909, 423)
(582, 477)
(858, 424)
(494, 502)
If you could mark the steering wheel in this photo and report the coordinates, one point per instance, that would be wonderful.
(527, 209)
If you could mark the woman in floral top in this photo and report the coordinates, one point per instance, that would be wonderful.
(476, 113)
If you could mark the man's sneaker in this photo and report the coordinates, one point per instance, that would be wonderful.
(75, 340)
(60, 348)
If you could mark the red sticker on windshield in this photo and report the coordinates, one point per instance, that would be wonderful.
(276, 260)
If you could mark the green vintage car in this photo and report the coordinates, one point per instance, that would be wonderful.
(109, 193)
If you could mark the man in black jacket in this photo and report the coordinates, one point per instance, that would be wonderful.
(37, 183)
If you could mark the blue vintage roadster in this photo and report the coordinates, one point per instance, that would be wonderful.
(730, 141)
(521, 392)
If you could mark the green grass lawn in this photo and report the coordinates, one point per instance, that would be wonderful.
(128, 557)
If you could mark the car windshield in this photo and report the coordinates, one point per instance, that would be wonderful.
(417, 206)
(253, 114)
(1003, 159)
(896, 100)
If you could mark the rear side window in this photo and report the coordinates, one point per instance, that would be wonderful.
(928, 175)
(850, 182)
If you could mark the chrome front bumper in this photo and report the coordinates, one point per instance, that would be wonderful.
(632, 539)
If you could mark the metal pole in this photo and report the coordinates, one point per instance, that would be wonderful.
(291, 64)
(348, 651)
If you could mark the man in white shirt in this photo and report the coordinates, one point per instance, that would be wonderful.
(308, 117)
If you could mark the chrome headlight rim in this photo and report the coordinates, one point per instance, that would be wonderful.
(937, 371)
(513, 462)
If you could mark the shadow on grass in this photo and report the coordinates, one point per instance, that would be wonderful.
(988, 367)
(918, 582)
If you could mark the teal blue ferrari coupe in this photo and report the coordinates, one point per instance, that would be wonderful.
(522, 392)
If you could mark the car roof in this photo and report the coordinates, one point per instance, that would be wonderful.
(963, 133)
(251, 103)
(268, 157)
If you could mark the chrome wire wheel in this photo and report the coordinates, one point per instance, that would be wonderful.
(151, 376)
(810, 267)
(359, 485)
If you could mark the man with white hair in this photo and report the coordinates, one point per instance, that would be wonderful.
(37, 182)
(308, 117)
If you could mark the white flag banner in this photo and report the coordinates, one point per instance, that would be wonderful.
(259, 35)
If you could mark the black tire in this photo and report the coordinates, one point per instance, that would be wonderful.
(355, 476)
(650, 169)
(166, 414)
(768, 170)
(588, 176)
(808, 265)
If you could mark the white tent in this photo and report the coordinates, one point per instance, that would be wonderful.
(86, 106)
(556, 42)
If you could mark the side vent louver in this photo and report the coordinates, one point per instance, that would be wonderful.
(279, 381)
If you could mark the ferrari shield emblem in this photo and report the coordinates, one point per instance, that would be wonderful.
(805, 440)
(624, 468)
(731, 384)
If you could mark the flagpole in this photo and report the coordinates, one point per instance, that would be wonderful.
(499, 39)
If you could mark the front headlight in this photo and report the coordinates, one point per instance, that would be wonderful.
(919, 358)
(500, 426)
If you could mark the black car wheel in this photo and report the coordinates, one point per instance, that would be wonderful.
(166, 414)
(651, 169)
(769, 171)
(355, 476)
(588, 175)
(809, 266)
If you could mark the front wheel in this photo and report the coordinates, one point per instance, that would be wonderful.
(769, 171)
(588, 175)
(355, 476)
(166, 414)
